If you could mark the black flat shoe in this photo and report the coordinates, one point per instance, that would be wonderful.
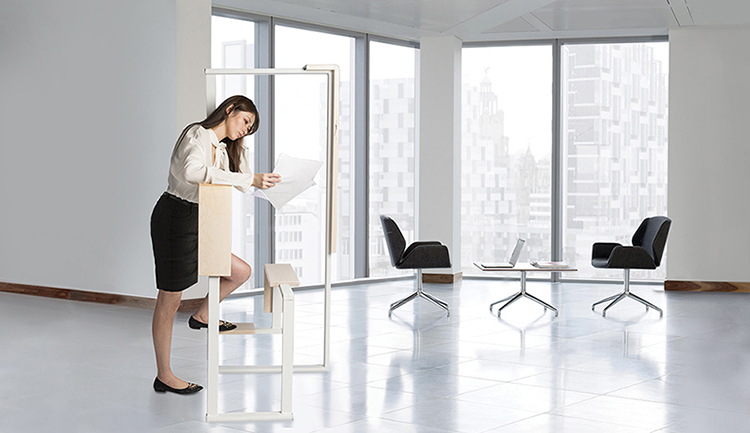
(160, 386)
(223, 326)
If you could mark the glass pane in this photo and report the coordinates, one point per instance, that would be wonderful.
(391, 160)
(506, 154)
(232, 46)
(300, 130)
(614, 147)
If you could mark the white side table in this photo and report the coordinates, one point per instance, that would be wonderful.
(523, 268)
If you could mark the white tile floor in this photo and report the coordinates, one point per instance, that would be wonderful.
(77, 367)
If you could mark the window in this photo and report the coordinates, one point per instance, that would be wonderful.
(612, 160)
(232, 46)
(614, 173)
(300, 131)
(391, 159)
(506, 153)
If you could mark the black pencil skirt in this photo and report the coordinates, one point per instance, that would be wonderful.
(174, 237)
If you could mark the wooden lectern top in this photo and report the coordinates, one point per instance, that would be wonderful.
(214, 230)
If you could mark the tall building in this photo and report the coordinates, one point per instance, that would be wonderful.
(504, 195)
(614, 153)
(307, 211)
(392, 164)
(614, 145)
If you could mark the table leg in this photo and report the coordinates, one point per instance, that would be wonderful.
(516, 297)
(502, 300)
(513, 298)
(542, 303)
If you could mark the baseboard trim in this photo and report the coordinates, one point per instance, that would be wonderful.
(96, 297)
(442, 278)
(706, 286)
(193, 304)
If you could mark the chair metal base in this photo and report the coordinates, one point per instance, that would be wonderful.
(625, 294)
(419, 293)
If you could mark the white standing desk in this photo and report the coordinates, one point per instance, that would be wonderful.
(523, 268)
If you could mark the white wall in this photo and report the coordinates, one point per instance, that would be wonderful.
(87, 113)
(193, 56)
(709, 154)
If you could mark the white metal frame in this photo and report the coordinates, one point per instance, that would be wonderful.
(332, 74)
(283, 300)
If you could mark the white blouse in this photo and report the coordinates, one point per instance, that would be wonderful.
(191, 165)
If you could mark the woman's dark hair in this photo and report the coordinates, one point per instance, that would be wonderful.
(220, 114)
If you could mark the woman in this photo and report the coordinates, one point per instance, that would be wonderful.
(210, 151)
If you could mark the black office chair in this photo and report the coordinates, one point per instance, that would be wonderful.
(648, 246)
(418, 255)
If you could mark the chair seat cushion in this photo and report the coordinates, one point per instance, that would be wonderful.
(599, 263)
(623, 257)
(425, 255)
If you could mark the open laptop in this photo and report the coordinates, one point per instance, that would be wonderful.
(513, 258)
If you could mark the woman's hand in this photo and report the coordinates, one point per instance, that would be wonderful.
(265, 180)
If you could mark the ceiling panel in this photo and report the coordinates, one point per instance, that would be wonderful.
(605, 4)
(719, 12)
(606, 18)
(478, 20)
(517, 25)
(431, 15)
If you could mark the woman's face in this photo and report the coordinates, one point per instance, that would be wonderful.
(239, 123)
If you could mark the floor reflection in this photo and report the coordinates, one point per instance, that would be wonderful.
(418, 371)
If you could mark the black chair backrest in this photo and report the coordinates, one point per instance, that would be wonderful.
(393, 238)
(652, 236)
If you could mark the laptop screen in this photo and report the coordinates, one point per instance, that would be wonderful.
(517, 251)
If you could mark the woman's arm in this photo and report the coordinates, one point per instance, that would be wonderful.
(189, 166)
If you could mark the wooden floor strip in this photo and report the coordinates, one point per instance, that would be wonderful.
(706, 286)
(96, 297)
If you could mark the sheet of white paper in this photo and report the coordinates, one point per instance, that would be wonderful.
(296, 176)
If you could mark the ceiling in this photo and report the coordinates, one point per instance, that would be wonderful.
(491, 20)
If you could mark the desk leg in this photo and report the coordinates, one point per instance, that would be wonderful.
(502, 300)
(542, 303)
(534, 298)
(513, 298)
